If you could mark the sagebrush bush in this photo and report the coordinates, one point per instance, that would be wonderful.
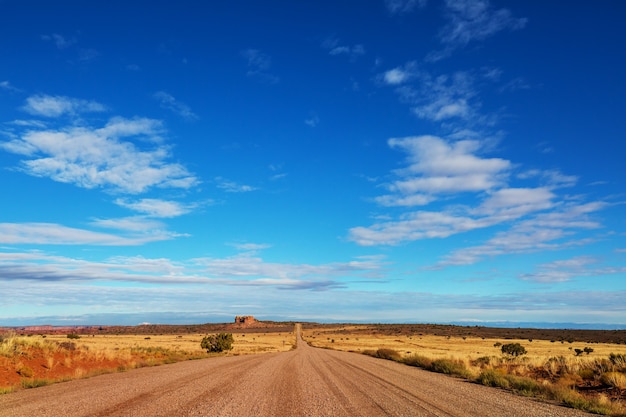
(217, 342)
(513, 349)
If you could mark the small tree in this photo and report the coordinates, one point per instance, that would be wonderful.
(217, 342)
(513, 349)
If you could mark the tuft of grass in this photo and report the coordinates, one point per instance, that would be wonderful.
(493, 378)
(418, 361)
(614, 380)
(455, 367)
(6, 390)
(35, 382)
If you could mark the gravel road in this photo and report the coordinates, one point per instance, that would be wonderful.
(304, 382)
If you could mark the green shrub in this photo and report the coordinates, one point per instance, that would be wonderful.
(217, 342)
(73, 336)
(513, 349)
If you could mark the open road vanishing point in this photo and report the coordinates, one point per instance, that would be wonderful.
(306, 381)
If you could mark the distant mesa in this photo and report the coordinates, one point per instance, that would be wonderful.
(245, 321)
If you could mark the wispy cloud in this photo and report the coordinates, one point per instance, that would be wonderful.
(472, 20)
(232, 186)
(548, 231)
(478, 194)
(55, 106)
(7, 86)
(55, 234)
(438, 98)
(244, 269)
(259, 65)
(168, 102)
(130, 224)
(91, 157)
(60, 41)
(335, 48)
(404, 6)
(313, 120)
(569, 269)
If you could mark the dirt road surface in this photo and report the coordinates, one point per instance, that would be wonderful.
(304, 382)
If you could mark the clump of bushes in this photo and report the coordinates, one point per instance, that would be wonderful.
(513, 349)
(73, 336)
(217, 342)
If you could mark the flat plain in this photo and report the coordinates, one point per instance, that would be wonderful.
(560, 366)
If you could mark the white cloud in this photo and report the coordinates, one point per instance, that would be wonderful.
(153, 207)
(512, 203)
(55, 234)
(168, 102)
(240, 270)
(568, 269)
(406, 201)
(439, 169)
(438, 166)
(401, 75)
(247, 269)
(546, 231)
(415, 226)
(55, 106)
(403, 6)
(98, 157)
(130, 224)
(251, 247)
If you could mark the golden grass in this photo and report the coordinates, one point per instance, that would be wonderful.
(107, 347)
(92, 355)
(350, 338)
(549, 370)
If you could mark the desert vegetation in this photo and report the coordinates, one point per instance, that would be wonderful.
(29, 361)
(584, 374)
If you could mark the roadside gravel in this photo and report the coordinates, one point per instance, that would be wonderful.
(304, 382)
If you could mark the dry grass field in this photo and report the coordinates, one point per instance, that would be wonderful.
(353, 338)
(587, 375)
(28, 361)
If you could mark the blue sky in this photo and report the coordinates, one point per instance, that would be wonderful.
(382, 161)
